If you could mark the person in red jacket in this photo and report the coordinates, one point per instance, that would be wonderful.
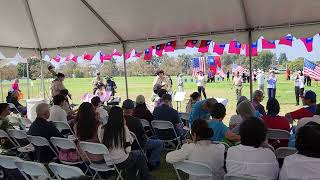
(274, 121)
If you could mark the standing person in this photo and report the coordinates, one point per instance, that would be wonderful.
(260, 79)
(162, 81)
(201, 83)
(111, 86)
(237, 83)
(308, 80)
(297, 88)
(228, 75)
(96, 81)
(302, 82)
(57, 84)
(115, 135)
(272, 85)
(180, 83)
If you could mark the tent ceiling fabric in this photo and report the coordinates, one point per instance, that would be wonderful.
(141, 23)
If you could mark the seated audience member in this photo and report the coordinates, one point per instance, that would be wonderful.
(256, 102)
(235, 121)
(249, 158)
(310, 100)
(220, 130)
(202, 109)
(194, 97)
(116, 136)
(98, 108)
(86, 127)
(153, 146)
(13, 98)
(101, 90)
(159, 100)
(245, 110)
(4, 121)
(274, 121)
(66, 106)
(141, 111)
(56, 112)
(304, 121)
(306, 163)
(201, 150)
(42, 127)
(167, 113)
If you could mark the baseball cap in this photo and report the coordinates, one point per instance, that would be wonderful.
(128, 104)
(140, 99)
(310, 95)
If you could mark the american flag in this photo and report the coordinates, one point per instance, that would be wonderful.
(236, 68)
(198, 64)
(311, 69)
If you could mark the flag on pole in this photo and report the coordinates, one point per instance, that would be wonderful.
(308, 43)
(191, 43)
(148, 54)
(159, 49)
(116, 53)
(87, 56)
(311, 69)
(236, 68)
(218, 48)
(266, 44)
(204, 46)
(57, 58)
(286, 40)
(234, 47)
(217, 59)
(170, 46)
(254, 49)
(198, 64)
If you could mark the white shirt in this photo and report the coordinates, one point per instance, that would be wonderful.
(304, 121)
(237, 81)
(118, 155)
(296, 82)
(260, 78)
(57, 114)
(247, 160)
(204, 152)
(301, 81)
(272, 82)
(300, 167)
(103, 114)
(201, 81)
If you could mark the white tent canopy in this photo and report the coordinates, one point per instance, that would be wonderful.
(65, 25)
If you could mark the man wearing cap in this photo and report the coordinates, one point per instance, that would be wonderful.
(310, 100)
(154, 146)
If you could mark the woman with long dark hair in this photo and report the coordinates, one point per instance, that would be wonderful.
(86, 127)
(116, 136)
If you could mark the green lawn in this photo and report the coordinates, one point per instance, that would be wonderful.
(143, 85)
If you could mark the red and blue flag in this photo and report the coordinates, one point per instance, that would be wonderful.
(254, 49)
(191, 43)
(286, 40)
(234, 47)
(87, 56)
(137, 53)
(148, 54)
(57, 58)
(116, 53)
(218, 48)
(170, 46)
(159, 49)
(308, 43)
(266, 44)
(204, 46)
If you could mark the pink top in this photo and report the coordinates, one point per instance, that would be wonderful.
(15, 86)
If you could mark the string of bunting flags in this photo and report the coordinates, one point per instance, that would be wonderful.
(234, 47)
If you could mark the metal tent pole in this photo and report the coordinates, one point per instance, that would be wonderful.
(1, 86)
(250, 62)
(28, 81)
(41, 75)
(125, 68)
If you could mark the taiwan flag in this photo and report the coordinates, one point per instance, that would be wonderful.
(204, 46)
(218, 48)
(254, 49)
(217, 60)
(159, 49)
(212, 64)
(105, 57)
(308, 43)
(234, 47)
(116, 53)
(69, 57)
(286, 40)
(128, 55)
(148, 54)
(87, 56)
(57, 58)
(191, 43)
(137, 54)
(268, 44)
(75, 59)
(170, 46)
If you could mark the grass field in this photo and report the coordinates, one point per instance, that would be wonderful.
(143, 85)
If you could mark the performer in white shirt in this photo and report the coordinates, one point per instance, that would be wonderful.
(302, 82)
(201, 83)
(260, 79)
(272, 85)
(180, 83)
(237, 83)
(297, 88)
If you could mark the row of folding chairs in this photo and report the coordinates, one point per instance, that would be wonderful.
(32, 170)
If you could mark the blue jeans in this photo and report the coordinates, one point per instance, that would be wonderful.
(154, 146)
(271, 93)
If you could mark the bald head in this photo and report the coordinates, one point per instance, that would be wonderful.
(43, 111)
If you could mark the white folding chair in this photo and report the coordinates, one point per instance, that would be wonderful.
(243, 177)
(136, 139)
(283, 152)
(166, 125)
(197, 169)
(4, 134)
(60, 125)
(8, 162)
(100, 149)
(33, 169)
(39, 141)
(146, 124)
(185, 118)
(278, 134)
(65, 171)
(21, 135)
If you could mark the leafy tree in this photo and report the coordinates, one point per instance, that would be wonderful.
(186, 62)
(282, 58)
(296, 64)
